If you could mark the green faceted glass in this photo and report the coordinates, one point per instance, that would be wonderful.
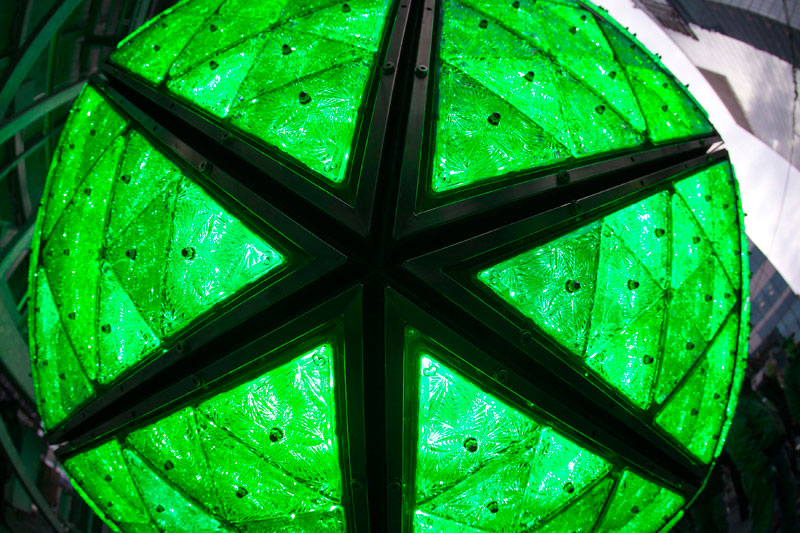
(542, 83)
(483, 463)
(130, 250)
(646, 298)
(261, 456)
(291, 74)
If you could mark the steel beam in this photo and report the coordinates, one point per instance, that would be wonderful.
(32, 49)
(38, 110)
(25, 478)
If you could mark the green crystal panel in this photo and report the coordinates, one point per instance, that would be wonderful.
(130, 252)
(262, 456)
(695, 413)
(292, 74)
(581, 515)
(564, 82)
(639, 505)
(483, 463)
(638, 295)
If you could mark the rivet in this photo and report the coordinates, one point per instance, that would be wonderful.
(286, 49)
(92, 132)
(695, 412)
(569, 487)
(275, 434)
(515, 5)
(573, 30)
(660, 232)
(633, 284)
(421, 71)
(690, 345)
(583, 18)
(572, 285)
(612, 74)
(71, 315)
(635, 510)
(160, 508)
(345, 8)
(212, 28)
(696, 239)
(108, 477)
(213, 65)
(241, 492)
(727, 295)
(125, 178)
(388, 67)
(529, 75)
(494, 118)
(105, 328)
(471, 444)
(188, 253)
(483, 24)
(648, 359)
(110, 504)
(168, 465)
(562, 177)
(87, 191)
(304, 98)
(493, 507)
(62, 376)
(156, 47)
(709, 297)
(65, 251)
(707, 197)
(664, 107)
(131, 253)
(716, 396)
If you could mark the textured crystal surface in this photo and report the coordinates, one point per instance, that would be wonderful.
(261, 456)
(640, 297)
(639, 505)
(483, 463)
(130, 251)
(291, 74)
(565, 82)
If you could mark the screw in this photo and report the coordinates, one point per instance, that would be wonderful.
(421, 71)
(471, 444)
(501, 375)
(388, 67)
(572, 285)
(275, 434)
(525, 338)
(494, 118)
(562, 177)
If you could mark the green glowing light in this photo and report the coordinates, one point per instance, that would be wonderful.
(484, 463)
(566, 84)
(261, 456)
(248, 65)
(132, 251)
(639, 295)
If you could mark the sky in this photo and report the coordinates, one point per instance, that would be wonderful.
(765, 177)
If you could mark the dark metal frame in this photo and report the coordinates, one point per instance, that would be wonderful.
(482, 369)
(386, 257)
(314, 262)
(449, 272)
